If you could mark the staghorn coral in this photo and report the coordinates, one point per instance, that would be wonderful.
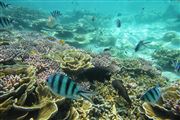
(138, 67)
(165, 57)
(103, 107)
(8, 54)
(72, 61)
(105, 61)
(44, 66)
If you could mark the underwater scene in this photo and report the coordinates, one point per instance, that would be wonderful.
(89, 59)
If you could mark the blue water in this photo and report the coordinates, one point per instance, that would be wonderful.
(140, 20)
(92, 25)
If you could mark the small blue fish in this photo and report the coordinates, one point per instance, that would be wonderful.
(152, 95)
(176, 66)
(64, 86)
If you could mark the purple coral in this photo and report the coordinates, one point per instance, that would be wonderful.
(9, 82)
(8, 53)
(44, 66)
(105, 61)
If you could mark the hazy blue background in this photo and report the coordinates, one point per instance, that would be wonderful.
(102, 6)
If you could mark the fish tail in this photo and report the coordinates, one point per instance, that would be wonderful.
(86, 95)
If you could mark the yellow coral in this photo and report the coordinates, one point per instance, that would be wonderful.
(73, 61)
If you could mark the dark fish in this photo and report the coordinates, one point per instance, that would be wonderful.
(119, 87)
(65, 86)
(93, 19)
(139, 45)
(119, 14)
(118, 23)
(107, 49)
(176, 66)
(3, 5)
(96, 73)
(56, 14)
(5, 22)
(152, 95)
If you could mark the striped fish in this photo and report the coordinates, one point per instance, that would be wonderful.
(176, 65)
(3, 5)
(65, 86)
(55, 14)
(5, 22)
(152, 95)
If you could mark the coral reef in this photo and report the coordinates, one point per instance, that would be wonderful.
(169, 36)
(165, 58)
(44, 66)
(72, 61)
(168, 107)
(24, 94)
(8, 54)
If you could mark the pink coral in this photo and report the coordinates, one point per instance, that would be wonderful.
(9, 82)
(44, 66)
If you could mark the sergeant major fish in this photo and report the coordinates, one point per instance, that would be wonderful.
(4, 5)
(152, 95)
(5, 22)
(65, 86)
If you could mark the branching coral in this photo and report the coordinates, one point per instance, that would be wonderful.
(165, 57)
(44, 66)
(7, 54)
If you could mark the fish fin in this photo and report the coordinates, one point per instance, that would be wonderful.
(86, 95)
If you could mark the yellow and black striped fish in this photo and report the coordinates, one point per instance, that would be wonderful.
(65, 86)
